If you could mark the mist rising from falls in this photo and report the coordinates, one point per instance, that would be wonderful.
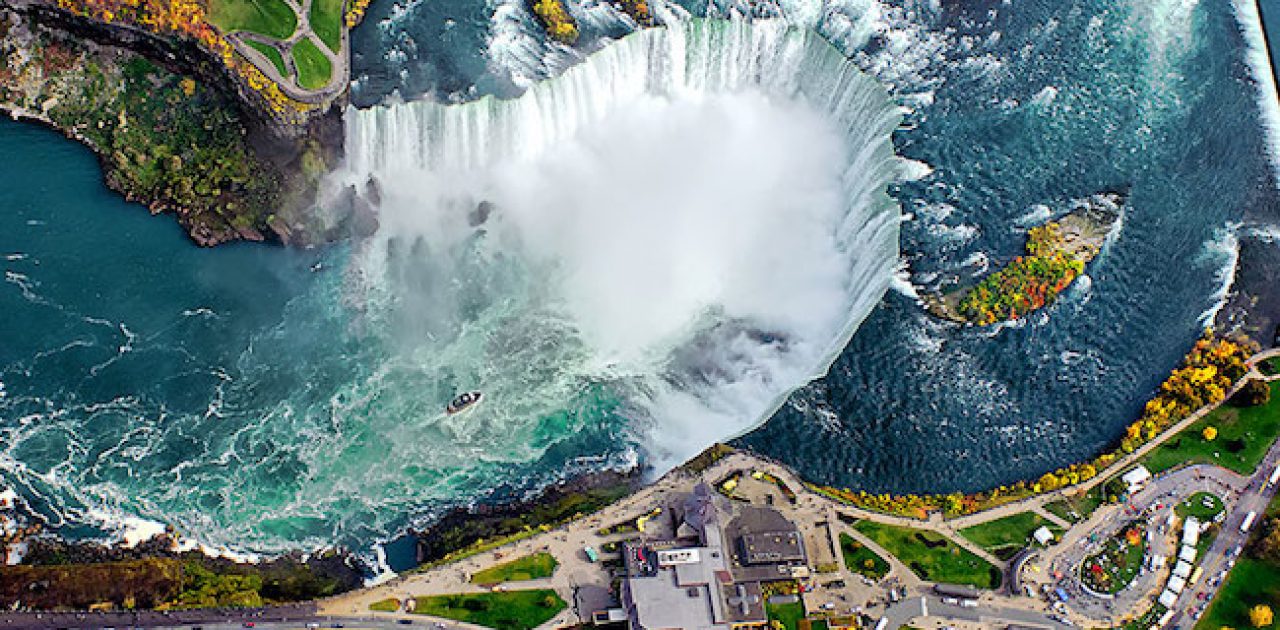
(692, 221)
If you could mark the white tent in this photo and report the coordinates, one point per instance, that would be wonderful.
(1190, 531)
(1136, 478)
(1183, 570)
(1188, 554)
(1043, 536)
(1176, 584)
(1168, 598)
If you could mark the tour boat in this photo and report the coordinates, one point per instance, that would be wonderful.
(463, 402)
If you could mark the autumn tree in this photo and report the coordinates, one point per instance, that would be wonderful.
(1209, 433)
(1260, 616)
(1268, 546)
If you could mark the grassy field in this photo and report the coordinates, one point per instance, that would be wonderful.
(272, 18)
(859, 559)
(1077, 508)
(1194, 505)
(788, 614)
(326, 22)
(272, 53)
(386, 605)
(1251, 582)
(1009, 533)
(510, 610)
(538, 565)
(1244, 435)
(313, 67)
(931, 556)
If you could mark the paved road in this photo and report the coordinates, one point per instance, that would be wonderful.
(339, 62)
(1154, 503)
(1255, 498)
(295, 616)
(988, 610)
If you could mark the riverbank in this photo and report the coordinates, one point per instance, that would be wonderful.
(171, 130)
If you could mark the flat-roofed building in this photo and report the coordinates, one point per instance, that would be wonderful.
(671, 585)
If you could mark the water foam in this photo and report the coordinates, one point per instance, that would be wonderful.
(694, 217)
(1261, 65)
(1224, 249)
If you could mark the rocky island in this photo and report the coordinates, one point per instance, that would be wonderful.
(1056, 254)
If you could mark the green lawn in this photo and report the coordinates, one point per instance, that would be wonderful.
(509, 610)
(859, 559)
(326, 21)
(1077, 508)
(538, 565)
(272, 18)
(272, 53)
(1270, 367)
(1194, 505)
(1244, 435)
(1009, 533)
(932, 556)
(789, 614)
(1063, 510)
(1250, 582)
(313, 67)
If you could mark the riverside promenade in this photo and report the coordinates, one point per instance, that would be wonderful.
(815, 514)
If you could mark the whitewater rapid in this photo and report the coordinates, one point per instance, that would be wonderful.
(694, 219)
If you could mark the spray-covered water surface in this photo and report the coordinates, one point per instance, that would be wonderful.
(680, 229)
(631, 261)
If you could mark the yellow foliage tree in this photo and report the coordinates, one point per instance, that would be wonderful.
(1210, 433)
(1260, 616)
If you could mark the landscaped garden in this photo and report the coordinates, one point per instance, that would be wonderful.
(326, 22)
(509, 610)
(1239, 439)
(1005, 537)
(272, 54)
(1112, 569)
(932, 556)
(532, 567)
(313, 67)
(859, 559)
(1202, 505)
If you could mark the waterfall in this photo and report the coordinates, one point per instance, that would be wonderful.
(694, 218)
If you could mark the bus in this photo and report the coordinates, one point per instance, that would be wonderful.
(1248, 522)
(1195, 575)
(1275, 476)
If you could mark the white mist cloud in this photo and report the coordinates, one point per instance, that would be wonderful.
(667, 210)
(695, 217)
